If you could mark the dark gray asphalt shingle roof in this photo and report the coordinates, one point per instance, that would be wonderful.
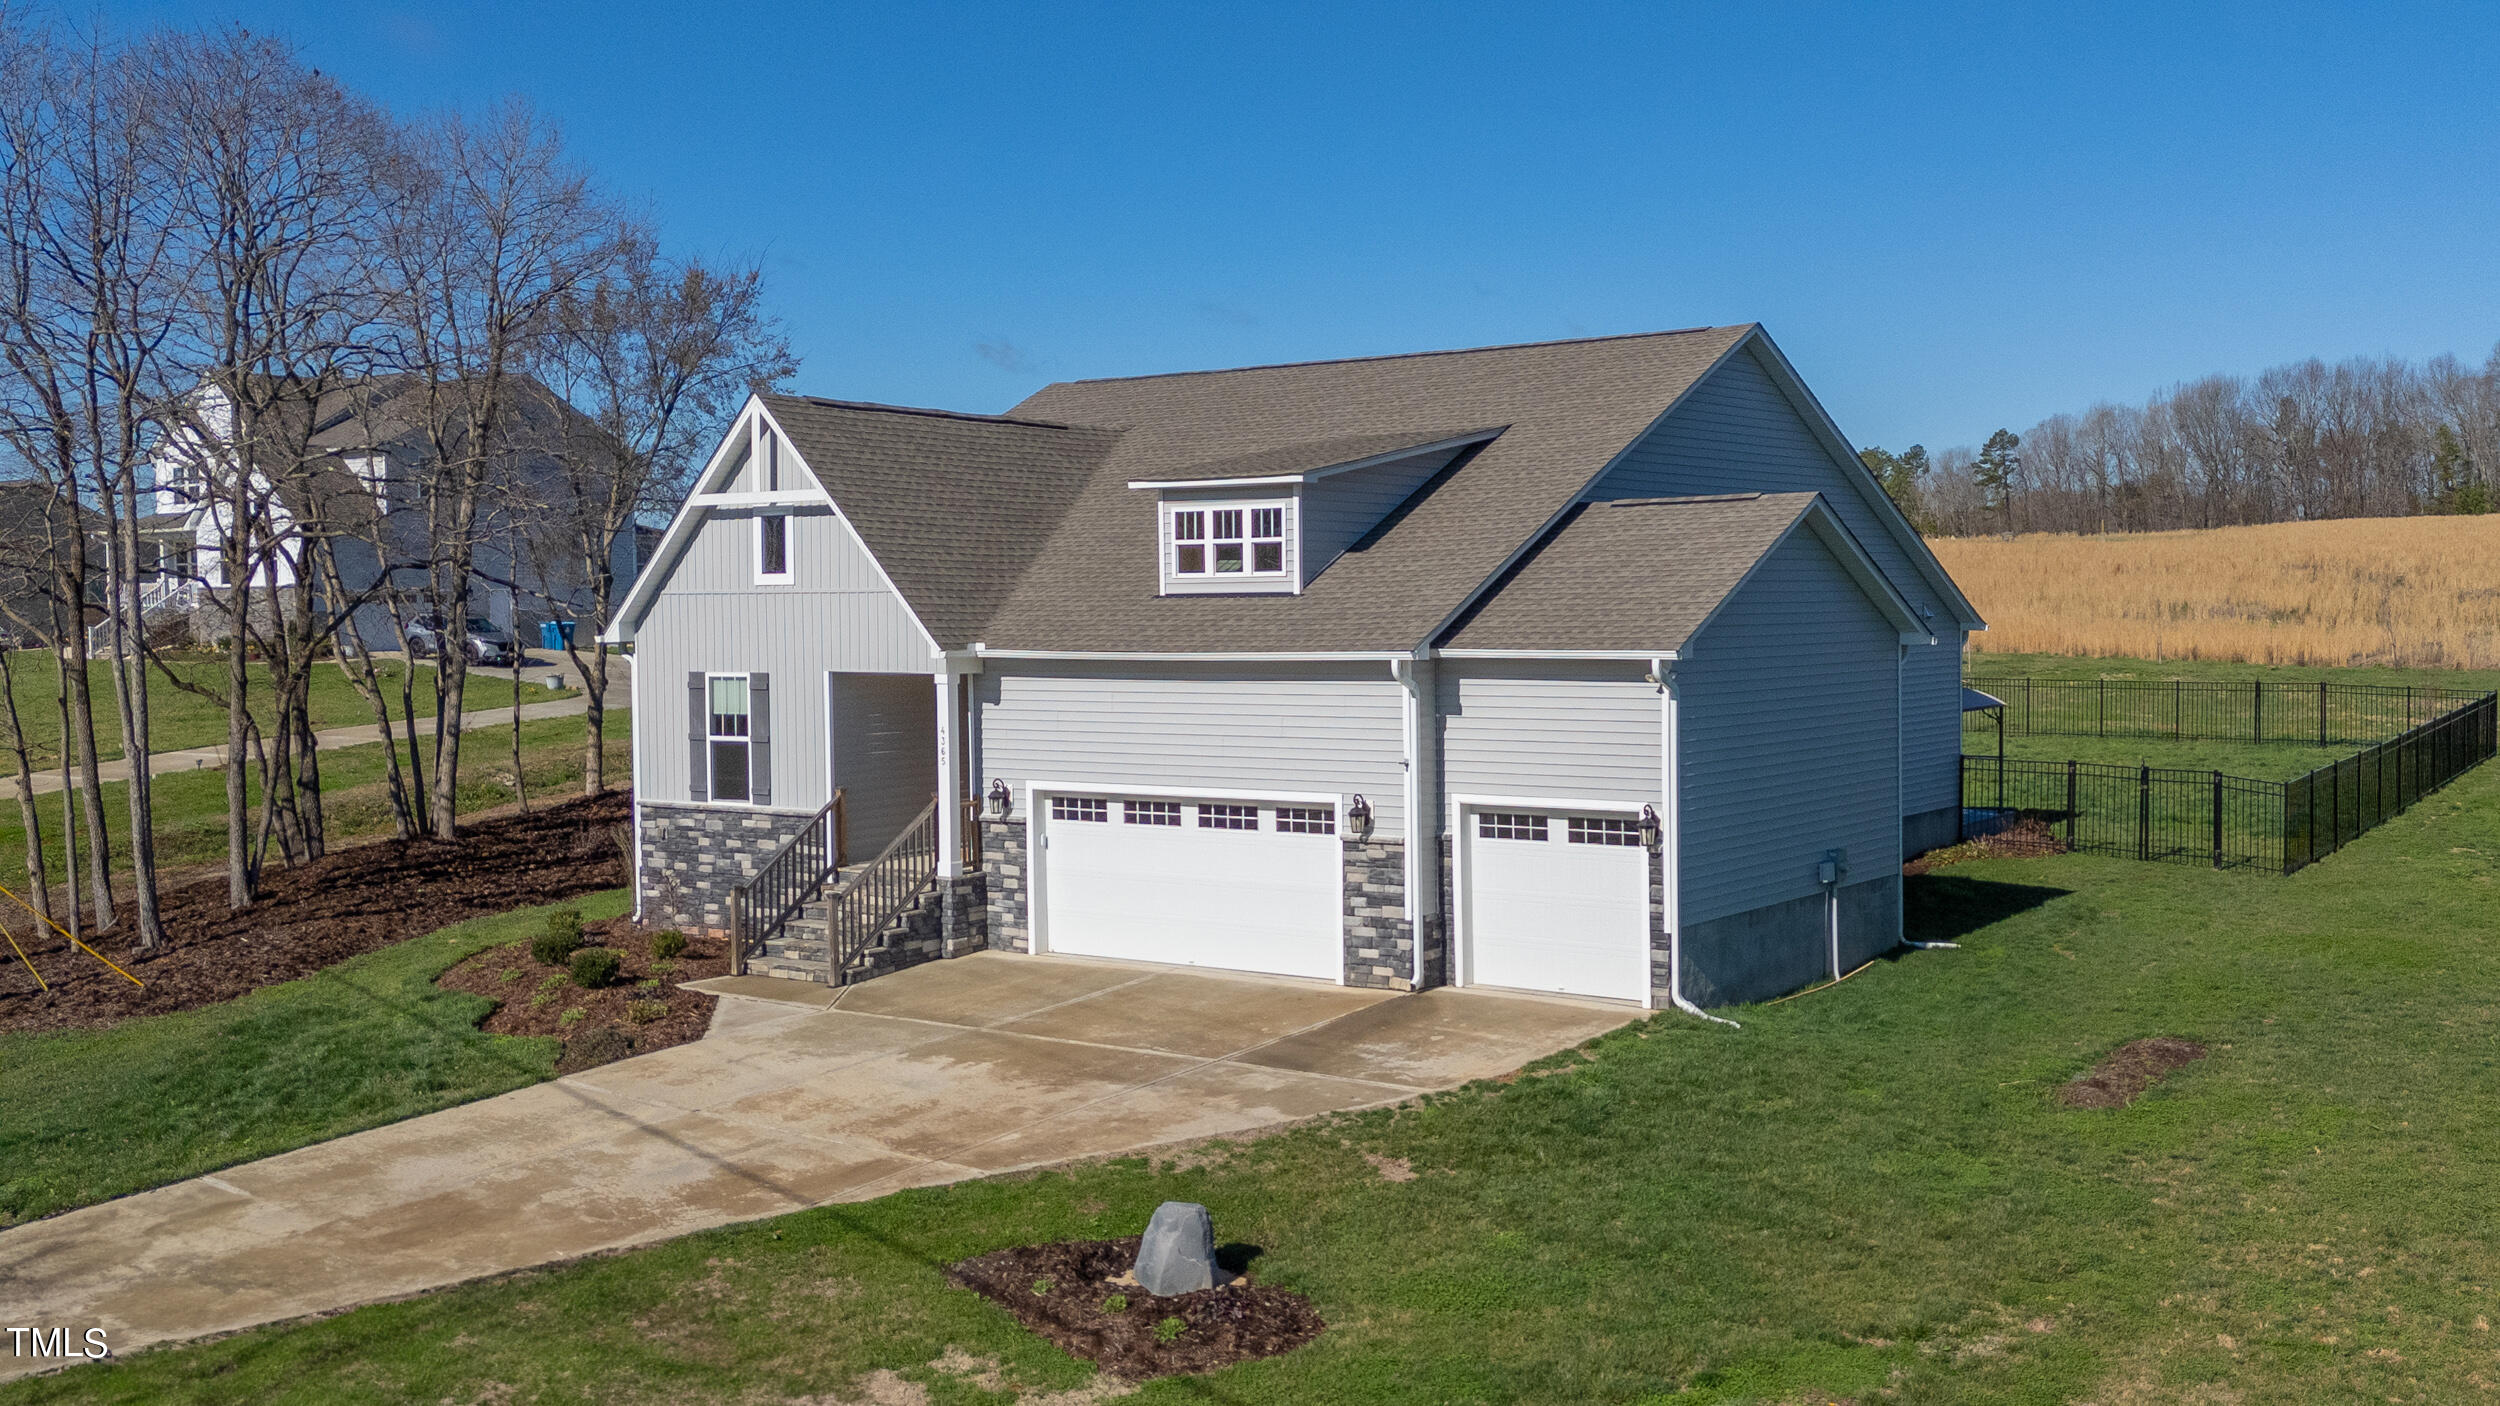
(1630, 574)
(1304, 457)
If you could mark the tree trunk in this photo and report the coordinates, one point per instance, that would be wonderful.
(595, 720)
(238, 731)
(29, 815)
(130, 692)
(69, 799)
(90, 782)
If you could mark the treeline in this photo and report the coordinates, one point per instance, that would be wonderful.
(211, 255)
(2361, 438)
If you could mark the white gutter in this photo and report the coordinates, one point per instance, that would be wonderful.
(1371, 656)
(1671, 830)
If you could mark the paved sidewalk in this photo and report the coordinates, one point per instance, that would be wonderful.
(799, 1097)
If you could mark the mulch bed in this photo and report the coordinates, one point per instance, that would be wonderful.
(1229, 1323)
(2027, 838)
(350, 901)
(2128, 1071)
(536, 999)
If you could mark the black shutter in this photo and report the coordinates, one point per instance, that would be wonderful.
(698, 738)
(760, 738)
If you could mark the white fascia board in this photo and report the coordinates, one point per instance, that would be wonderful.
(1334, 800)
(1117, 657)
(1633, 656)
(787, 497)
(1477, 800)
(1529, 543)
(1837, 445)
(1327, 471)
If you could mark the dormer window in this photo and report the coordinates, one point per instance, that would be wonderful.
(1212, 542)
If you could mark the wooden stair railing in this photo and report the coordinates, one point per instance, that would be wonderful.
(786, 882)
(862, 906)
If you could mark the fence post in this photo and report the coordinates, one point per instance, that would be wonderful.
(2321, 712)
(2070, 803)
(2217, 820)
(2256, 710)
(2143, 810)
(2335, 805)
(2105, 707)
(2178, 707)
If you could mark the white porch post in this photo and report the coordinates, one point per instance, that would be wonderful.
(950, 810)
(1423, 809)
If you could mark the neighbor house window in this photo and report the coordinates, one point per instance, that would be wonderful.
(772, 547)
(1079, 808)
(729, 739)
(1594, 830)
(1496, 825)
(1245, 541)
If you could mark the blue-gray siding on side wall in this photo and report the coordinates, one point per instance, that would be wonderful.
(1336, 730)
(1737, 432)
(1550, 729)
(837, 615)
(1786, 710)
(1339, 509)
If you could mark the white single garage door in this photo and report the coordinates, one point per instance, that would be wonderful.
(1556, 901)
(1207, 883)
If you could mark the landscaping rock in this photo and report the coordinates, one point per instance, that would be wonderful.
(1178, 1254)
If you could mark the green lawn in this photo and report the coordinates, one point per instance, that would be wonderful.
(1868, 1189)
(179, 720)
(89, 1115)
(2272, 761)
(191, 805)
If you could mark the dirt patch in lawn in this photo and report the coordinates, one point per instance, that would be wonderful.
(348, 902)
(2127, 1071)
(643, 1010)
(2028, 837)
(1070, 1294)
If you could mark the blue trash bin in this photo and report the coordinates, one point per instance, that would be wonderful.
(555, 634)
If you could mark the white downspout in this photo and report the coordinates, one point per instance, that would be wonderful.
(1422, 870)
(1671, 835)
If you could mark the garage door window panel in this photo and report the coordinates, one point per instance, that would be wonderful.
(1221, 817)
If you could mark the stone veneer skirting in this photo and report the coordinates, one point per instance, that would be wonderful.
(692, 856)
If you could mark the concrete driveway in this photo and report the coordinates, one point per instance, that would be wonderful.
(799, 1097)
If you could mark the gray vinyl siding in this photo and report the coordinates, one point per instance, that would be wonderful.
(884, 754)
(1737, 432)
(1333, 730)
(1786, 711)
(836, 616)
(1549, 729)
(1338, 510)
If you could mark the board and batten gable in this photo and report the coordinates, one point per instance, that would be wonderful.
(1786, 714)
(1738, 432)
(1201, 728)
(1551, 728)
(837, 614)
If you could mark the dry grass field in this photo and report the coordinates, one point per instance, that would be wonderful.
(2419, 592)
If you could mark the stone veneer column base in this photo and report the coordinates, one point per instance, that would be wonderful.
(1379, 941)
(693, 855)
(1007, 925)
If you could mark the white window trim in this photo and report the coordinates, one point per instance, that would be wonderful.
(789, 559)
(1285, 580)
(711, 791)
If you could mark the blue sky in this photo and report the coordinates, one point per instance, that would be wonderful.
(1950, 217)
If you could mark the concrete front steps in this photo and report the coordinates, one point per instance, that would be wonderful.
(798, 952)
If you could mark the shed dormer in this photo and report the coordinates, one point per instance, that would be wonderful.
(1271, 522)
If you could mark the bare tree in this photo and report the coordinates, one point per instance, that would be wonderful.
(656, 355)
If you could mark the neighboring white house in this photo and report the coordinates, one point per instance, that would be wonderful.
(372, 451)
(1597, 667)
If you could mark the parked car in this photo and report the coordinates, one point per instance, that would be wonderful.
(488, 643)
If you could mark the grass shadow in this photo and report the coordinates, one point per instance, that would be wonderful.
(1947, 907)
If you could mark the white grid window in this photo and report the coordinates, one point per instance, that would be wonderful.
(1228, 541)
(729, 744)
(1599, 830)
(1151, 812)
(1079, 808)
(1499, 825)
(1294, 821)
(772, 548)
(1228, 817)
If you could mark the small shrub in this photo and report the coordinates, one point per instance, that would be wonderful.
(649, 983)
(1169, 1330)
(663, 967)
(597, 1046)
(509, 974)
(1117, 1303)
(667, 944)
(645, 1012)
(561, 940)
(572, 1016)
(594, 967)
(1042, 1288)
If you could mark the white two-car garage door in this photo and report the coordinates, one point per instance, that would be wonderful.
(1555, 901)
(1204, 883)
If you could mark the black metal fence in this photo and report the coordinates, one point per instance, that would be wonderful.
(2319, 714)
(2206, 817)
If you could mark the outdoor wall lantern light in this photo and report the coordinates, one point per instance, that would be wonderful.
(1358, 817)
(1651, 831)
(999, 796)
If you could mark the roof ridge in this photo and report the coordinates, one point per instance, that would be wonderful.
(1698, 498)
(928, 411)
(1406, 356)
